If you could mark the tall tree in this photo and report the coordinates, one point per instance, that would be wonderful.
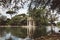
(7, 3)
(40, 18)
(53, 4)
(52, 19)
(39, 3)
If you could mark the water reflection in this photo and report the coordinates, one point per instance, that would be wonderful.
(9, 35)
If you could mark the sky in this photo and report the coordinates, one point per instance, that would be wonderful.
(20, 11)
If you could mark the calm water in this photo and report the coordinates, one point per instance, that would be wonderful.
(8, 35)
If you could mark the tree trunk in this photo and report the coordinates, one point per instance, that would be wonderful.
(51, 28)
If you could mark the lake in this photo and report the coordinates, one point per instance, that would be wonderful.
(9, 35)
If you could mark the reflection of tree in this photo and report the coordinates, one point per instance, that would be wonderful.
(16, 31)
(1, 31)
(9, 38)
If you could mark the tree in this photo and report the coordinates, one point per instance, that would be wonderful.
(52, 20)
(3, 20)
(11, 12)
(52, 5)
(17, 4)
(19, 20)
(55, 5)
(39, 15)
(58, 23)
(39, 3)
(41, 21)
(7, 3)
(8, 21)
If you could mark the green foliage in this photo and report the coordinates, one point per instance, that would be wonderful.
(10, 12)
(8, 21)
(2, 22)
(54, 4)
(19, 20)
(41, 21)
(39, 16)
(58, 23)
